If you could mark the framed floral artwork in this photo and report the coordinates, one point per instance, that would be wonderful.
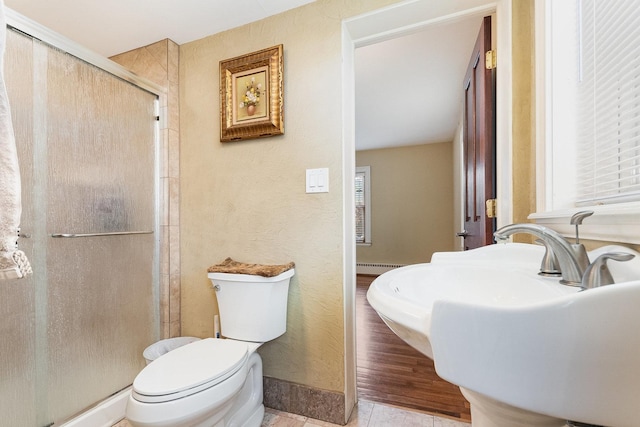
(252, 95)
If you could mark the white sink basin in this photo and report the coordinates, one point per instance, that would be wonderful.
(518, 343)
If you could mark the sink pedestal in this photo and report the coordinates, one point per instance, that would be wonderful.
(487, 412)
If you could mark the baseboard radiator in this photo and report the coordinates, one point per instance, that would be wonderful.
(375, 268)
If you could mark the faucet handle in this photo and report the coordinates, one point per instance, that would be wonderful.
(598, 274)
(549, 265)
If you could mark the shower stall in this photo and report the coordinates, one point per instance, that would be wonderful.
(72, 334)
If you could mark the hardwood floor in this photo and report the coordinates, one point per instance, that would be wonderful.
(392, 372)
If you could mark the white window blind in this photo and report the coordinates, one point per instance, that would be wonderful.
(608, 102)
(363, 202)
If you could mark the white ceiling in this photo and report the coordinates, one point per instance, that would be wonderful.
(109, 27)
(408, 90)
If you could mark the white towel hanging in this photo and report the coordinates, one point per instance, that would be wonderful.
(13, 262)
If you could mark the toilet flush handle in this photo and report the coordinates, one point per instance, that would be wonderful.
(216, 288)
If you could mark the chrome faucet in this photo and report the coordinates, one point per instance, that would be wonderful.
(571, 259)
(571, 264)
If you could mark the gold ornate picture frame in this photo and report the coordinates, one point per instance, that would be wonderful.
(252, 95)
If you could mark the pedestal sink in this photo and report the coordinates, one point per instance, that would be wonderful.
(524, 349)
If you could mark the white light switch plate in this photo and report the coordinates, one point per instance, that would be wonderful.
(318, 180)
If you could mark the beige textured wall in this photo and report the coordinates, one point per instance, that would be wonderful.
(412, 203)
(524, 165)
(247, 199)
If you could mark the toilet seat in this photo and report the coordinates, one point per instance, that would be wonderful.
(189, 369)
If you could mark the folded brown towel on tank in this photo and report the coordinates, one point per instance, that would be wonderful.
(235, 267)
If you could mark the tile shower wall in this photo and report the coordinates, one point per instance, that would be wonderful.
(159, 63)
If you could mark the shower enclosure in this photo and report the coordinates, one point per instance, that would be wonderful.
(73, 333)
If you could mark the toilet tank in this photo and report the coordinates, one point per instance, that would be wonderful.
(252, 308)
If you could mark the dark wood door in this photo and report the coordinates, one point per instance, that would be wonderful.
(479, 143)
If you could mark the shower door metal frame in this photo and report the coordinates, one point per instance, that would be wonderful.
(44, 34)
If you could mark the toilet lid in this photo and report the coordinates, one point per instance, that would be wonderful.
(189, 369)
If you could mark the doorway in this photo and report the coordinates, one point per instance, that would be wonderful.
(421, 15)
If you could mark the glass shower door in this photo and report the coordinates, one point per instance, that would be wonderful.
(101, 182)
(78, 326)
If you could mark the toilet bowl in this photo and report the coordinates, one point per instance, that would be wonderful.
(216, 382)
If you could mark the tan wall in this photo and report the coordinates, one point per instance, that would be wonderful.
(247, 199)
(523, 141)
(412, 203)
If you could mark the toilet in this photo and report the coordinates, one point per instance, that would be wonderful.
(216, 382)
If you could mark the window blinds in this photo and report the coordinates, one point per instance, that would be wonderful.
(608, 98)
(360, 207)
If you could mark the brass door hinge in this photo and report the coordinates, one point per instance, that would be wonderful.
(492, 206)
(490, 59)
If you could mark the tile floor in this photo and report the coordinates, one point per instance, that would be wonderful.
(366, 414)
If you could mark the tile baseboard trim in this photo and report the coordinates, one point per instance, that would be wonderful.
(303, 400)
